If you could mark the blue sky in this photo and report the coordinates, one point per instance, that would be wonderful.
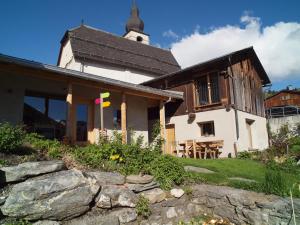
(33, 29)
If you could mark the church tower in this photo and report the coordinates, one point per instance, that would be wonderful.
(135, 27)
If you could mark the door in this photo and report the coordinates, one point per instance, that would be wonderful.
(170, 139)
(84, 121)
(249, 133)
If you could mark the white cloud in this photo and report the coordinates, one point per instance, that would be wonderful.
(277, 46)
(170, 34)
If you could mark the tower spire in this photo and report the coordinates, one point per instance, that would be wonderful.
(135, 22)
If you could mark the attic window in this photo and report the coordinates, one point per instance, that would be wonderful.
(139, 39)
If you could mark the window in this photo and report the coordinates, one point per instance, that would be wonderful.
(207, 89)
(139, 39)
(207, 128)
(45, 115)
(82, 119)
(286, 97)
(117, 118)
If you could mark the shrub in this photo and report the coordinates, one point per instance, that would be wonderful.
(244, 155)
(275, 182)
(167, 171)
(142, 207)
(11, 137)
(91, 155)
(17, 222)
(3, 162)
(52, 147)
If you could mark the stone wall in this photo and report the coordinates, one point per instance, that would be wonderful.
(47, 193)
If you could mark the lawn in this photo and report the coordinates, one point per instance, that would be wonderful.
(226, 168)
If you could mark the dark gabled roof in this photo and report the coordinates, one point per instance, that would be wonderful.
(223, 59)
(98, 46)
(86, 76)
(295, 92)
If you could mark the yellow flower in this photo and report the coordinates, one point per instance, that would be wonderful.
(114, 157)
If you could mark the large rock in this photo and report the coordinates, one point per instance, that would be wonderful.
(197, 169)
(138, 179)
(46, 222)
(125, 215)
(155, 195)
(107, 178)
(177, 192)
(55, 196)
(94, 220)
(30, 169)
(112, 196)
(137, 188)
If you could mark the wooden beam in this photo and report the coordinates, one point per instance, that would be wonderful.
(162, 122)
(91, 118)
(124, 119)
(70, 114)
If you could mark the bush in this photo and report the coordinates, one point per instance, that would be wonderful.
(11, 137)
(167, 171)
(91, 155)
(244, 155)
(142, 207)
(52, 148)
(131, 158)
(275, 183)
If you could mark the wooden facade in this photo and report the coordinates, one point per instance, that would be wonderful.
(239, 85)
(283, 98)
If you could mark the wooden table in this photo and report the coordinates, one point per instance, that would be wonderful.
(198, 146)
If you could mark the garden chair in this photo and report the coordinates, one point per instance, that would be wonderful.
(190, 148)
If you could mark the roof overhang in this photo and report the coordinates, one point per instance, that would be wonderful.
(94, 80)
(220, 60)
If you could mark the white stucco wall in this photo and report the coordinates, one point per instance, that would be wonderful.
(258, 130)
(224, 128)
(132, 35)
(276, 123)
(118, 73)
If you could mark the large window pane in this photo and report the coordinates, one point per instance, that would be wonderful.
(45, 116)
(203, 91)
(82, 118)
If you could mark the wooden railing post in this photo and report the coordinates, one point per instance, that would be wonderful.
(162, 122)
(124, 119)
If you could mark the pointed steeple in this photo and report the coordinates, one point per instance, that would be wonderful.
(134, 22)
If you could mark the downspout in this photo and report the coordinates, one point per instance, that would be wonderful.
(234, 105)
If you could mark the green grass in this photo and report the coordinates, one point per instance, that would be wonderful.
(226, 168)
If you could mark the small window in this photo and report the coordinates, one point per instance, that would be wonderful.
(207, 129)
(139, 39)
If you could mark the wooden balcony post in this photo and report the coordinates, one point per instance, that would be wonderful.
(124, 119)
(162, 122)
(70, 114)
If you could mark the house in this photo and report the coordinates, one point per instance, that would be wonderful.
(223, 100)
(220, 99)
(283, 103)
(283, 108)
